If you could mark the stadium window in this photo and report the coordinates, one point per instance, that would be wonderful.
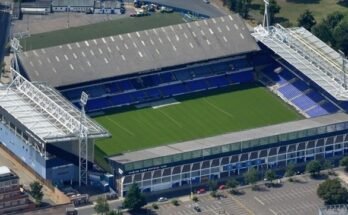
(206, 152)
(292, 135)
(148, 163)
(197, 154)
(128, 166)
(340, 126)
(236, 146)
(167, 159)
(225, 148)
(138, 165)
(216, 150)
(302, 133)
(157, 161)
(177, 158)
(321, 130)
(186, 155)
(245, 144)
(311, 132)
(330, 128)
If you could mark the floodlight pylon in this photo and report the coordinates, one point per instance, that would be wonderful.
(83, 143)
(266, 16)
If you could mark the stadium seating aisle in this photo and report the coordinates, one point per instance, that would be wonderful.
(298, 93)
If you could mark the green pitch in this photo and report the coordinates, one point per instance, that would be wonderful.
(237, 109)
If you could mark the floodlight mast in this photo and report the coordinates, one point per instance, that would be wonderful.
(83, 143)
(266, 16)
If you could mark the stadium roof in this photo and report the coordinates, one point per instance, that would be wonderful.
(44, 112)
(309, 55)
(139, 51)
(230, 138)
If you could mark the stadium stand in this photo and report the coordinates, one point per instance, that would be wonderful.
(297, 92)
(163, 84)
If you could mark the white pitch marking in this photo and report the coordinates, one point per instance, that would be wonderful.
(242, 36)
(138, 34)
(225, 39)
(100, 51)
(123, 58)
(83, 54)
(236, 26)
(106, 60)
(211, 31)
(91, 51)
(87, 44)
(66, 57)
(140, 54)
(109, 50)
(228, 28)
(121, 37)
(57, 58)
(135, 45)
(231, 18)
(75, 56)
(191, 45)
(104, 41)
(71, 66)
(129, 35)
(157, 52)
(177, 37)
(112, 39)
(142, 42)
(95, 41)
(69, 46)
(78, 45)
(208, 42)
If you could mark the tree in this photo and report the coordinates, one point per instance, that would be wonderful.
(313, 167)
(134, 199)
(36, 192)
(251, 176)
(113, 212)
(344, 162)
(306, 20)
(332, 192)
(101, 206)
(232, 183)
(212, 184)
(270, 175)
(340, 34)
(290, 170)
(241, 7)
(273, 9)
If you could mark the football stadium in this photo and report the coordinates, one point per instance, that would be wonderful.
(184, 104)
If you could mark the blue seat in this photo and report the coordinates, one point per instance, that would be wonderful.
(219, 81)
(196, 85)
(126, 85)
(175, 89)
(167, 77)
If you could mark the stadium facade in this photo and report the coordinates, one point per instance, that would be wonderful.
(216, 158)
(151, 65)
(36, 122)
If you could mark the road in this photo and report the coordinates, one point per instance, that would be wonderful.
(4, 30)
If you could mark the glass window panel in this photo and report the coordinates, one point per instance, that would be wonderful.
(302, 134)
(292, 135)
(216, 150)
(246, 144)
(283, 137)
(339, 126)
(157, 161)
(264, 141)
(128, 166)
(148, 163)
(321, 130)
(206, 152)
(235, 146)
(138, 165)
(225, 148)
(177, 158)
(186, 156)
(330, 128)
(197, 154)
(167, 159)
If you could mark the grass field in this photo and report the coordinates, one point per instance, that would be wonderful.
(291, 9)
(198, 117)
(103, 29)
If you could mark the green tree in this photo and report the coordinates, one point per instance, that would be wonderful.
(273, 9)
(314, 167)
(113, 212)
(251, 176)
(340, 34)
(270, 175)
(332, 192)
(232, 183)
(241, 7)
(36, 192)
(101, 206)
(290, 170)
(212, 184)
(306, 20)
(134, 199)
(344, 162)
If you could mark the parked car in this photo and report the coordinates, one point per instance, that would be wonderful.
(200, 191)
(196, 208)
(162, 199)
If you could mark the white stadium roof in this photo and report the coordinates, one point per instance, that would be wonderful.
(44, 112)
(308, 54)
